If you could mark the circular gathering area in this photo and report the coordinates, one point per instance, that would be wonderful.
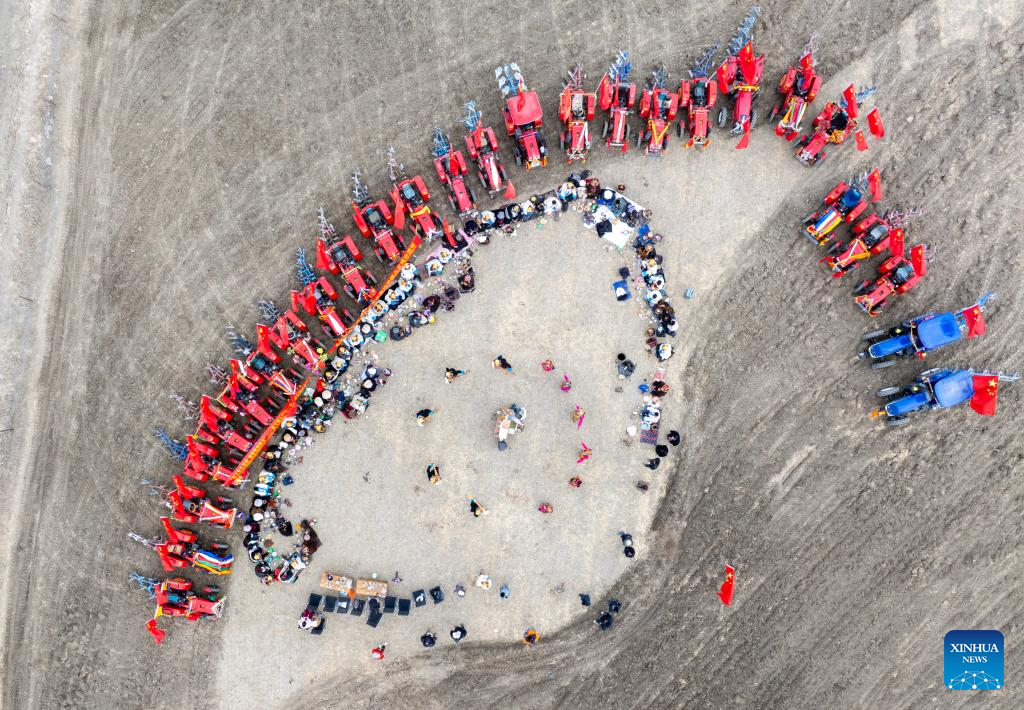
(557, 395)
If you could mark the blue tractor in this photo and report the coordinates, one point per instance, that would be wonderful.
(941, 388)
(923, 334)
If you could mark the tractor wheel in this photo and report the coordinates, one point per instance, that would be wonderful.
(887, 392)
(349, 291)
(639, 138)
(561, 140)
(604, 130)
(472, 195)
(773, 114)
(679, 129)
(483, 179)
(862, 288)
(872, 335)
(723, 115)
(451, 202)
(629, 133)
(519, 156)
(881, 364)
(753, 119)
(898, 421)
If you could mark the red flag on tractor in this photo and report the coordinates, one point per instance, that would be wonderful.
(986, 390)
(725, 591)
(975, 321)
(875, 184)
(875, 124)
(850, 94)
(399, 210)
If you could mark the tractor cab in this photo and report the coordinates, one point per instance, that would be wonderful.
(410, 194)
(664, 104)
(902, 274)
(374, 218)
(954, 389)
(699, 95)
(876, 235)
(935, 332)
(849, 201)
(839, 121)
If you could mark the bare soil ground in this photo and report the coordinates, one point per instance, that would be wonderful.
(185, 147)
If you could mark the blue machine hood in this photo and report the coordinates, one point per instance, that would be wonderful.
(954, 389)
(941, 330)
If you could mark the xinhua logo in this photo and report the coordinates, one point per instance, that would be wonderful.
(973, 660)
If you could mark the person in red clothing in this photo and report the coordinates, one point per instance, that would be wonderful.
(378, 651)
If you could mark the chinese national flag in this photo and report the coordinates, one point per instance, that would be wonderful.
(725, 591)
(986, 389)
(158, 634)
(975, 321)
(399, 222)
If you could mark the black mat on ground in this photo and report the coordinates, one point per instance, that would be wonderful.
(373, 619)
(389, 604)
(330, 603)
(437, 594)
(374, 605)
(357, 607)
(419, 597)
(319, 629)
(403, 607)
(314, 601)
(344, 604)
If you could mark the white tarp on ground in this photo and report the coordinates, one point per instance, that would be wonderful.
(620, 233)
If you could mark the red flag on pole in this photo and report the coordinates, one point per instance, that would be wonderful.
(158, 634)
(875, 124)
(862, 142)
(896, 242)
(986, 390)
(399, 210)
(875, 184)
(725, 592)
(975, 321)
(850, 94)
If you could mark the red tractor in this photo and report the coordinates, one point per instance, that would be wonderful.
(871, 236)
(896, 275)
(374, 221)
(523, 117)
(451, 170)
(359, 284)
(739, 77)
(181, 549)
(412, 198)
(576, 110)
(191, 505)
(176, 597)
(482, 146)
(798, 87)
(617, 96)
(658, 105)
(697, 97)
(844, 204)
(837, 122)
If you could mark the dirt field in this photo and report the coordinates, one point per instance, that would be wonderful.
(164, 161)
